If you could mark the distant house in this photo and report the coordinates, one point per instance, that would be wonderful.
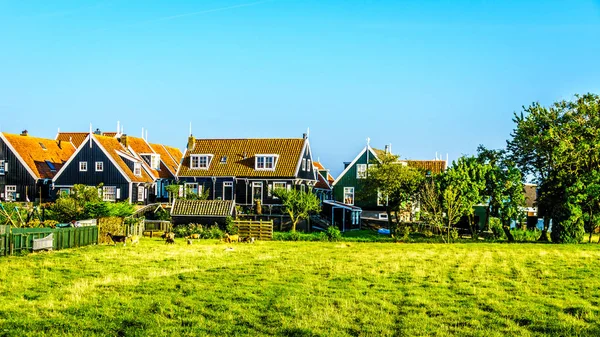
(348, 184)
(322, 188)
(530, 191)
(247, 170)
(159, 161)
(204, 212)
(28, 164)
(108, 161)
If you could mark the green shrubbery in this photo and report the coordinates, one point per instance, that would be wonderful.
(205, 232)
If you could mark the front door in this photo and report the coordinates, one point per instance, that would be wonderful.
(257, 191)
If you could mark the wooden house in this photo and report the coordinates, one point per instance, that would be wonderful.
(348, 184)
(247, 170)
(323, 189)
(28, 165)
(108, 161)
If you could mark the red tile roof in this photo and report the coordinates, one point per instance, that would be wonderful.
(36, 152)
(170, 165)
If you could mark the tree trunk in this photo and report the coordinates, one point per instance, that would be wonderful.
(506, 229)
(474, 231)
(487, 217)
(544, 236)
(390, 221)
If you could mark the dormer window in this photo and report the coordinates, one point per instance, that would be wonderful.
(155, 161)
(137, 169)
(224, 160)
(200, 161)
(266, 162)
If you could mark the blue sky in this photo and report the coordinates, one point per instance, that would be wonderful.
(426, 76)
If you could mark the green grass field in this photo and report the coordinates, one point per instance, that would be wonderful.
(303, 289)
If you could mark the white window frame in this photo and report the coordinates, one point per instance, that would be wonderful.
(3, 167)
(380, 198)
(265, 162)
(64, 191)
(303, 164)
(276, 185)
(361, 171)
(140, 193)
(99, 168)
(8, 189)
(83, 166)
(137, 169)
(155, 161)
(348, 190)
(257, 184)
(308, 165)
(199, 158)
(225, 185)
(194, 187)
(108, 191)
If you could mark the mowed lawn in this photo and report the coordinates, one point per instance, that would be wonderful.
(303, 289)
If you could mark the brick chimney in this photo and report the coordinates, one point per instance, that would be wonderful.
(123, 140)
(191, 143)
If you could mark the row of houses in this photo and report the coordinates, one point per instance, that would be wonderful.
(132, 169)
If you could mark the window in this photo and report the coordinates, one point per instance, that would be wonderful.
(257, 191)
(99, 166)
(109, 193)
(64, 192)
(228, 190)
(308, 166)
(265, 162)
(361, 171)
(3, 167)
(381, 199)
(224, 160)
(200, 161)
(11, 192)
(193, 188)
(349, 195)
(303, 164)
(50, 166)
(140, 194)
(155, 161)
(83, 166)
(277, 185)
(137, 169)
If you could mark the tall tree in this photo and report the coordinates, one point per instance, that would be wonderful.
(395, 184)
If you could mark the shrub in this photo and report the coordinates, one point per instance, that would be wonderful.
(216, 232)
(496, 227)
(454, 234)
(333, 233)
(428, 233)
(230, 226)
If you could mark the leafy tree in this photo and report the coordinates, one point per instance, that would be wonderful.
(173, 191)
(298, 204)
(398, 184)
(466, 177)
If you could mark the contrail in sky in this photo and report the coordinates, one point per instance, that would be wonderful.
(166, 18)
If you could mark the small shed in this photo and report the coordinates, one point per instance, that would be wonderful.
(345, 217)
(205, 212)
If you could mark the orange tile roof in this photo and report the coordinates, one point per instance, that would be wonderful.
(139, 145)
(112, 145)
(435, 166)
(320, 167)
(166, 160)
(288, 149)
(74, 137)
(35, 156)
(175, 153)
(322, 183)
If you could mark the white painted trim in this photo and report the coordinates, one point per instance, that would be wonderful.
(96, 166)
(262, 191)
(199, 155)
(180, 164)
(275, 161)
(297, 171)
(232, 189)
(9, 145)
(354, 162)
(344, 195)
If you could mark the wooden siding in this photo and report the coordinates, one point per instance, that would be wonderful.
(18, 176)
(110, 176)
(350, 180)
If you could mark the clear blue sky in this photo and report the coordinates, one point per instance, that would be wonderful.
(425, 76)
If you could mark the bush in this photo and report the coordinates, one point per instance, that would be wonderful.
(497, 230)
(230, 226)
(428, 233)
(333, 233)
(212, 232)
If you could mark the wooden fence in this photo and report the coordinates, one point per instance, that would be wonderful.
(16, 240)
(260, 230)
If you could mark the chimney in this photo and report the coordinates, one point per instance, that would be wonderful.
(387, 149)
(191, 143)
(24, 133)
(123, 140)
(304, 135)
(59, 144)
(98, 132)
